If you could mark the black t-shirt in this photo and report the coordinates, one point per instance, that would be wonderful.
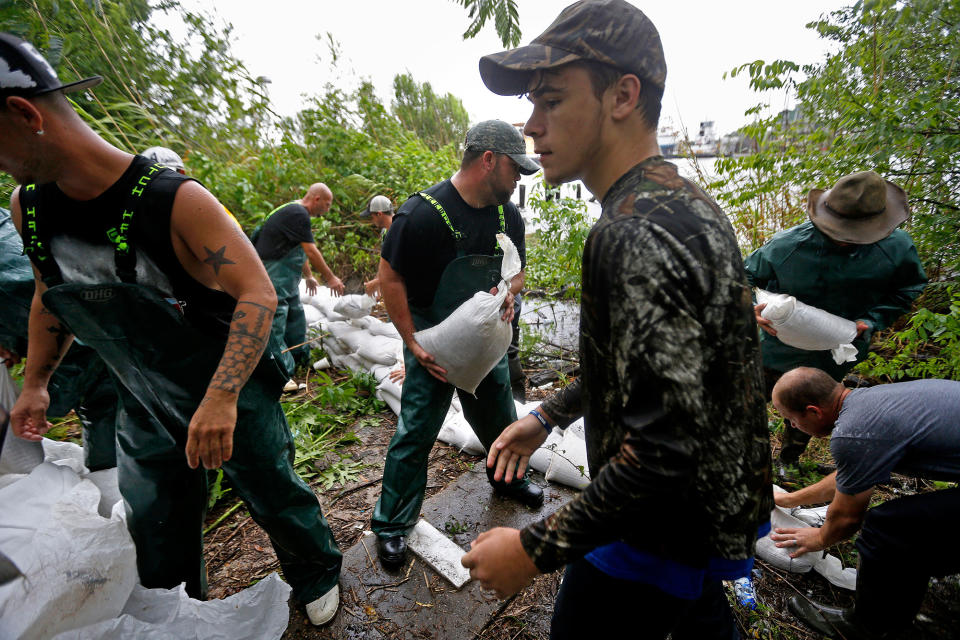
(283, 231)
(419, 245)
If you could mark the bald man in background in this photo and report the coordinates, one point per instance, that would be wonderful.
(287, 247)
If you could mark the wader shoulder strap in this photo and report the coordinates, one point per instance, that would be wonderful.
(122, 235)
(255, 234)
(457, 236)
(36, 236)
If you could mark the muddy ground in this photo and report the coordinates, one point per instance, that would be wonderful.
(238, 553)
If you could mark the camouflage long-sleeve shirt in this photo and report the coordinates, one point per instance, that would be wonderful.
(671, 387)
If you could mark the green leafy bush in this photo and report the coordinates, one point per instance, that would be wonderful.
(928, 347)
(555, 252)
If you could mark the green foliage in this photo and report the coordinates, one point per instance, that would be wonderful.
(157, 88)
(888, 99)
(554, 256)
(190, 93)
(215, 489)
(506, 19)
(928, 347)
(438, 121)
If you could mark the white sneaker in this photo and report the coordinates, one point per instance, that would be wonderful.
(322, 610)
(291, 386)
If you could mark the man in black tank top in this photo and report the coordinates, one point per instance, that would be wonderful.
(146, 267)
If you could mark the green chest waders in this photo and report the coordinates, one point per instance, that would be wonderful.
(425, 399)
(81, 381)
(289, 322)
(162, 365)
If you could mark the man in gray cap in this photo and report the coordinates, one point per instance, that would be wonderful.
(441, 249)
(670, 386)
(849, 259)
(380, 213)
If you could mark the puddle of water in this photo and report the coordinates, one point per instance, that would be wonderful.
(556, 323)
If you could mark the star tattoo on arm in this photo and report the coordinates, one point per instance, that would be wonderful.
(216, 259)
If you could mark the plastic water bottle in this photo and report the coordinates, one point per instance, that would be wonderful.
(743, 589)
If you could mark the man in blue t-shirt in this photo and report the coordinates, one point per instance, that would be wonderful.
(286, 245)
(907, 427)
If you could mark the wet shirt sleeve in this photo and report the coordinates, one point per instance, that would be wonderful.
(648, 372)
(565, 406)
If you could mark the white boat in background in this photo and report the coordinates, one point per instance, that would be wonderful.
(704, 145)
(668, 137)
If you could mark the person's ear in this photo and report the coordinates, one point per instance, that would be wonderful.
(24, 112)
(489, 160)
(624, 94)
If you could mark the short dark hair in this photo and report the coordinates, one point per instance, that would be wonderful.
(603, 76)
(470, 156)
(803, 387)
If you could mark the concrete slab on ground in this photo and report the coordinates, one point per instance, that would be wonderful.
(416, 602)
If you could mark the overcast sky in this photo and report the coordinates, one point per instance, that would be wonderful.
(381, 38)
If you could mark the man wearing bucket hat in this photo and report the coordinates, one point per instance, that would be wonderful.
(670, 385)
(849, 259)
(380, 212)
(442, 249)
(143, 265)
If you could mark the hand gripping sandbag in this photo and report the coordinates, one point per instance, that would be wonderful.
(473, 339)
(806, 327)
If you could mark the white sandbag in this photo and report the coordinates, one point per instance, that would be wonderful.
(806, 327)
(815, 517)
(473, 339)
(378, 349)
(348, 361)
(540, 460)
(354, 306)
(578, 428)
(768, 551)
(348, 335)
(333, 347)
(79, 568)
(832, 569)
(568, 465)
(392, 401)
(389, 386)
(312, 314)
(379, 328)
(261, 611)
(456, 432)
(379, 372)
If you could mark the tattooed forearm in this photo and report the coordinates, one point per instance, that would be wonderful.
(59, 334)
(248, 337)
(216, 259)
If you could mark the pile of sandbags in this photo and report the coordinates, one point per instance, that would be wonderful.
(69, 563)
(365, 343)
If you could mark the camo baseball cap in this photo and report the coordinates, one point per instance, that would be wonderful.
(501, 137)
(25, 72)
(613, 32)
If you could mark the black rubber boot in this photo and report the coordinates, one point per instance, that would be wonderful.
(522, 491)
(883, 610)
